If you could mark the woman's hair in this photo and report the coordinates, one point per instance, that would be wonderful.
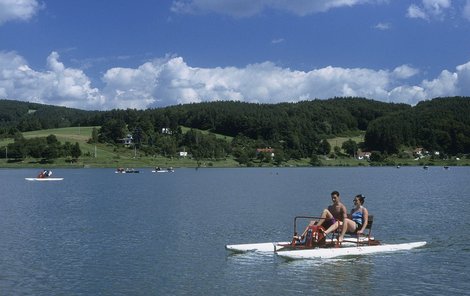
(361, 198)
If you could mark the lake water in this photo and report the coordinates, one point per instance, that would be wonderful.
(101, 233)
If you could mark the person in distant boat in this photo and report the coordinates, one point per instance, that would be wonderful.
(359, 216)
(45, 174)
(331, 217)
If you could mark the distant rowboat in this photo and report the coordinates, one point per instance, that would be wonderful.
(161, 170)
(126, 171)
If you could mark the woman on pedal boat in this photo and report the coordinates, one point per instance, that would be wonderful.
(359, 216)
(358, 222)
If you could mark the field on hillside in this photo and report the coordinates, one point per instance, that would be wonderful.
(218, 136)
(104, 155)
(338, 141)
(71, 134)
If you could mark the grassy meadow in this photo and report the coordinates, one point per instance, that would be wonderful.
(104, 155)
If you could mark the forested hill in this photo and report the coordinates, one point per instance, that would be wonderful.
(26, 116)
(438, 124)
(442, 124)
(323, 118)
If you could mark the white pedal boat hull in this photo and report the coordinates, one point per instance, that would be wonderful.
(260, 247)
(347, 249)
(44, 179)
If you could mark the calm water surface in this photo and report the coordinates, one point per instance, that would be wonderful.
(101, 233)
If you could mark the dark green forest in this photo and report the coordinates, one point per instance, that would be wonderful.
(294, 130)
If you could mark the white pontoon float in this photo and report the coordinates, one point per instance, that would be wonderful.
(44, 179)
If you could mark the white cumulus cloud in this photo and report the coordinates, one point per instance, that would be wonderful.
(405, 71)
(17, 10)
(383, 26)
(466, 10)
(245, 8)
(463, 79)
(58, 85)
(429, 9)
(170, 81)
(416, 12)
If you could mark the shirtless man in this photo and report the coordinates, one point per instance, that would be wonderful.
(334, 216)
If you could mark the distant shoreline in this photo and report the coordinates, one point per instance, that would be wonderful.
(177, 163)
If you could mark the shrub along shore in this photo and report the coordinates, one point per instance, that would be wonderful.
(152, 162)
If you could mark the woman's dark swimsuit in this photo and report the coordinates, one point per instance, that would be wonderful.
(358, 218)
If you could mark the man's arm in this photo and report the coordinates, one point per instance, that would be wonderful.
(345, 212)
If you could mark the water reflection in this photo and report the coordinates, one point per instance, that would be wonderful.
(343, 275)
(332, 276)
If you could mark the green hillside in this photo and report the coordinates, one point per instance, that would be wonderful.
(105, 155)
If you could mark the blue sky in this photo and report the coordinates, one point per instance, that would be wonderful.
(100, 55)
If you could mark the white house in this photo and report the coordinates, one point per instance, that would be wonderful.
(418, 152)
(269, 151)
(166, 130)
(127, 141)
(363, 155)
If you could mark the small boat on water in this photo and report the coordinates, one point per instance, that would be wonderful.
(162, 170)
(316, 245)
(44, 179)
(126, 171)
(44, 175)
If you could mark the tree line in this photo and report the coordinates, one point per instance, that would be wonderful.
(294, 130)
(442, 124)
(44, 148)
